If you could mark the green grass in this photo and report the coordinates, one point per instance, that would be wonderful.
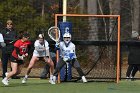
(42, 86)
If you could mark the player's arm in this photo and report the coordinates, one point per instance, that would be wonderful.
(20, 56)
(2, 43)
(46, 45)
(16, 47)
(17, 51)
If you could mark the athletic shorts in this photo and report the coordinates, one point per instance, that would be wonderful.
(15, 60)
(42, 58)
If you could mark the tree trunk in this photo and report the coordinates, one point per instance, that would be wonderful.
(135, 14)
(42, 12)
(126, 19)
(114, 7)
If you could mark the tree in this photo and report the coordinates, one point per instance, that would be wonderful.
(135, 11)
(23, 14)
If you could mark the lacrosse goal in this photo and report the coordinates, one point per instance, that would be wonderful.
(97, 39)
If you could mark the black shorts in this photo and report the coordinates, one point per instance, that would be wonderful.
(15, 60)
(42, 58)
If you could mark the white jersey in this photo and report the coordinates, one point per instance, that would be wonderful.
(65, 51)
(1, 38)
(39, 49)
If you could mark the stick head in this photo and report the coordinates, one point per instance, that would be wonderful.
(54, 33)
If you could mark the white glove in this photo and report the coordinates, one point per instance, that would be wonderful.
(57, 46)
(25, 55)
(20, 57)
(65, 58)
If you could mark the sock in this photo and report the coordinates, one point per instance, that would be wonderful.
(26, 76)
(54, 78)
(51, 77)
(5, 78)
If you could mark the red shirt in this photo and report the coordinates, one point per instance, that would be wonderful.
(22, 46)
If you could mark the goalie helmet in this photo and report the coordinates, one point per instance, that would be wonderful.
(67, 38)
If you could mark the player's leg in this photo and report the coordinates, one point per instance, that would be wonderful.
(17, 73)
(31, 64)
(45, 72)
(59, 65)
(134, 71)
(29, 68)
(129, 70)
(19, 69)
(138, 67)
(4, 63)
(14, 67)
(49, 61)
(76, 65)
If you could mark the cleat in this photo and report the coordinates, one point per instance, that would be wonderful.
(6, 74)
(84, 79)
(128, 79)
(51, 81)
(5, 82)
(24, 80)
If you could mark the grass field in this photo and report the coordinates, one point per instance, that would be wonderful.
(42, 86)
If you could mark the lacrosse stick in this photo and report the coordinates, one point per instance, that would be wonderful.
(54, 34)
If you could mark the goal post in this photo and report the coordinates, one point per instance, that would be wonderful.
(102, 31)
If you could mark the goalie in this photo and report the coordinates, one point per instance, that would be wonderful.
(67, 54)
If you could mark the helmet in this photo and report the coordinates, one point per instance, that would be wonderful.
(67, 38)
(67, 35)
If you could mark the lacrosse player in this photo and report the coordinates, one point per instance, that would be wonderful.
(67, 54)
(41, 52)
(17, 58)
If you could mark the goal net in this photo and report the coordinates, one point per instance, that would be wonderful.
(97, 40)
